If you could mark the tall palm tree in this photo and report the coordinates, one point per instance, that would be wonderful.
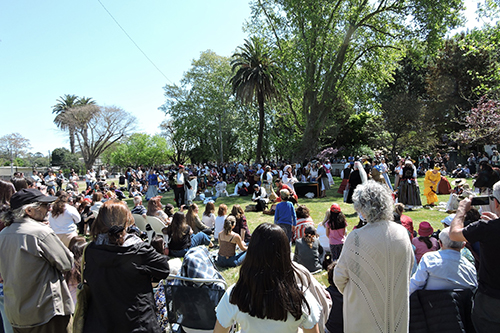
(255, 78)
(64, 103)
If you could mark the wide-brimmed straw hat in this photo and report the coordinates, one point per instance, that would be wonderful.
(458, 182)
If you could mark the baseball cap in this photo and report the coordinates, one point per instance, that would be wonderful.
(447, 220)
(27, 196)
(335, 208)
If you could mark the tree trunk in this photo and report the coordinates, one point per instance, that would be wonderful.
(309, 143)
(260, 99)
(72, 140)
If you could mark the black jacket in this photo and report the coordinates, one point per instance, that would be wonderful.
(120, 284)
(441, 311)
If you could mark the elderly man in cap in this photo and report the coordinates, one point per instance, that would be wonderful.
(485, 231)
(32, 259)
(181, 181)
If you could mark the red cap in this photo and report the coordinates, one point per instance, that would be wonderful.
(335, 208)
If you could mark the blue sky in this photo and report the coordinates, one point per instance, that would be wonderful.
(50, 48)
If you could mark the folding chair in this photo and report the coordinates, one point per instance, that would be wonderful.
(191, 296)
(140, 221)
(156, 224)
(193, 308)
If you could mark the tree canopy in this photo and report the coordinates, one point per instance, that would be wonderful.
(334, 53)
(204, 120)
(98, 127)
(141, 149)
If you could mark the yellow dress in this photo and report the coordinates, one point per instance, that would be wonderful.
(430, 188)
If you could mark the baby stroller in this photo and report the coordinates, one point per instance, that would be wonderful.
(192, 295)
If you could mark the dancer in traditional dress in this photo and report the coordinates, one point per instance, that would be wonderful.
(432, 178)
(357, 176)
(385, 172)
(409, 192)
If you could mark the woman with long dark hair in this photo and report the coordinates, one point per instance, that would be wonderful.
(118, 270)
(182, 237)
(336, 225)
(228, 240)
(241, 227)
(267, 296)
(193, 220)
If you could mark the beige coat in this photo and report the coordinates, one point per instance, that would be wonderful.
(32, 259)
(373, 274)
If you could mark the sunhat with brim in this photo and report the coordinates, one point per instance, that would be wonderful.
(447, 220)
(458, 182)
(425, 229)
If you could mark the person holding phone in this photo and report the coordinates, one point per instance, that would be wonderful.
(485, 231)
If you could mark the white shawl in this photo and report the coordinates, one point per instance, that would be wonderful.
(373, 274)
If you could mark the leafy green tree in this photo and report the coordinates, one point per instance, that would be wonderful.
(334, 54)
(141, 149)
(37, 160)
(255, 79)
(98, 128)
(203, 120)
(63, 158)
(465, 69)
(14, 146)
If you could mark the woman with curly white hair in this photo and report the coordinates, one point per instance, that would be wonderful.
(374, 268)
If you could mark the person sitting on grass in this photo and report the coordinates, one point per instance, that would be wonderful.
(182, 237)
(219, 220)
(193, 220)
(241, 227)
(303, 221)
(308, 250)
(424, 243)
(228, 240)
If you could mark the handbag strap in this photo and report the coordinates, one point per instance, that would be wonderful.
(82, 263)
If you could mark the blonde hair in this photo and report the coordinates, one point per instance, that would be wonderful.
(284, 194)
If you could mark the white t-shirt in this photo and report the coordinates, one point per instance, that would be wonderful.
(65, 223)
(219, 225)
(323, 238)
(209, 220)
(228, 313)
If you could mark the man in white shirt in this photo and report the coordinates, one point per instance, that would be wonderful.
(260, 197)
(181, 181)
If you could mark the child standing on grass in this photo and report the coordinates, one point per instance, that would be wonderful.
(335, 224)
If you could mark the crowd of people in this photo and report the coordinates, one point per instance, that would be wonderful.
(55, 239)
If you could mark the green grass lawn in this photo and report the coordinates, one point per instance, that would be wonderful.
(318, 207)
